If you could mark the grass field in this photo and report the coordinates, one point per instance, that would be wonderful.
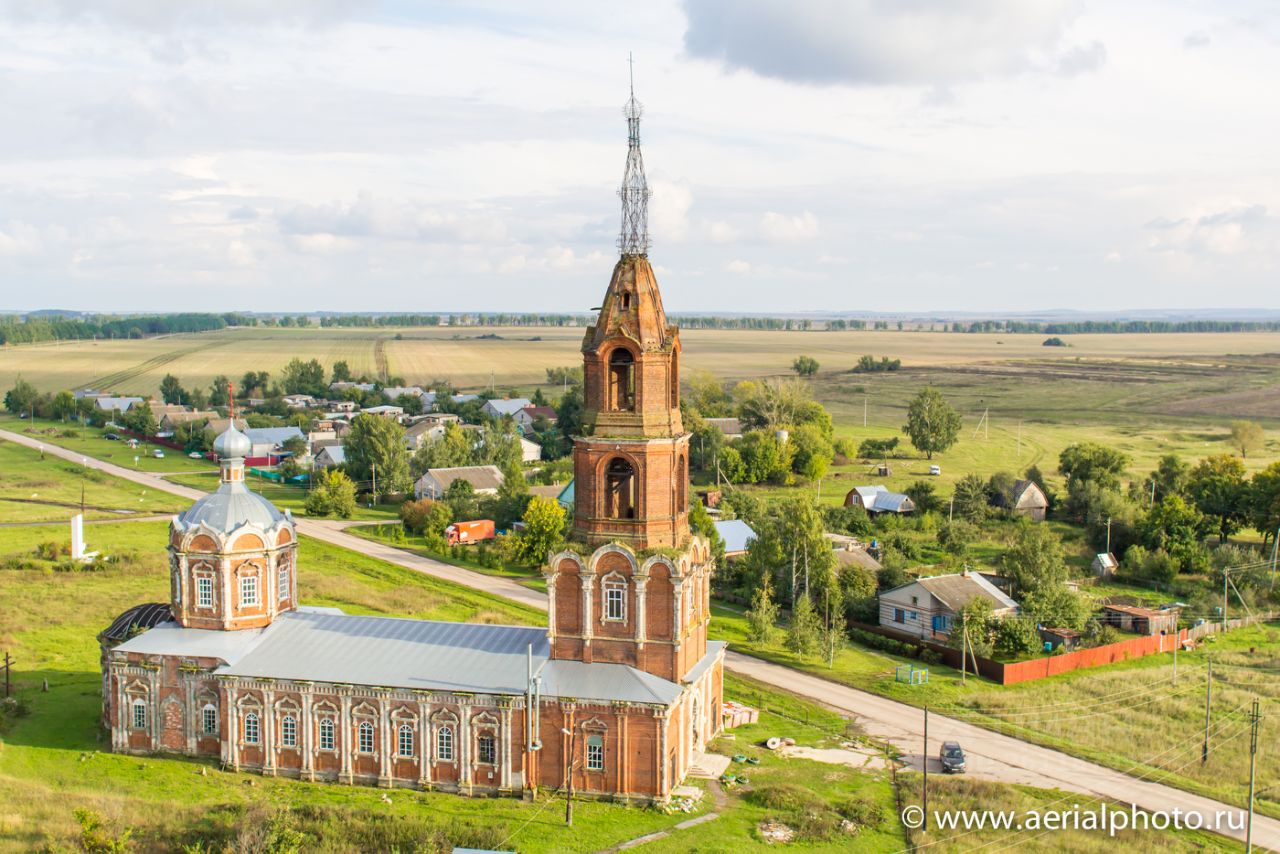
(90, 441)
(519, 356)
(33, 489)
(1130, 716)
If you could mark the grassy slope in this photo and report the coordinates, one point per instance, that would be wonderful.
(415, 544)
(90, 442)
(26, 479)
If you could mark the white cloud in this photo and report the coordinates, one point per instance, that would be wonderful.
(669, 209)
(867, 41)
(782, 228)
(738, 266)
(721, 232)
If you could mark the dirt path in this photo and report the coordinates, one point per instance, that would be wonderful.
(993, 755)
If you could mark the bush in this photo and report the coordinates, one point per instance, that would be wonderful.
(863, 812)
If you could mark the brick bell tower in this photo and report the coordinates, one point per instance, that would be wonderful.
(641, 597)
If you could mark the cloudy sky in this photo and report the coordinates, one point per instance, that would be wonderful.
(918, 155)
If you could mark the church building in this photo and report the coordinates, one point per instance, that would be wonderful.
(621, 690)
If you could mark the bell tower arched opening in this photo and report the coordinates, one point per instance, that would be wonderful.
(622, 380)
(620, 487)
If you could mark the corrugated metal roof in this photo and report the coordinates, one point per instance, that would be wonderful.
(394, 652)
(507, 407)
(597, 681)
(172, 639)
(737, 535)
(273, 435)
(956, 591)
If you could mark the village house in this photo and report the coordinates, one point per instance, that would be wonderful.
(173, 420)
(338, 408)
(384, 411)
(736, 535)
(530, 451)
(300, 401)
(345, 385)
(529, 415)
(116, 405)
(485, 480)
(267, 443)
(393, 392)
(427, 429)
(1143, 621)
(329, 454)
(878, 499)
(730, 427)
(506, 406)
(927, 607)
(617, 696)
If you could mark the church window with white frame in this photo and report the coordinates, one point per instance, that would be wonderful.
(248, 590)
(204, 592)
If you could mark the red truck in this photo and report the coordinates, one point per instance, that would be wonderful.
(463, 533)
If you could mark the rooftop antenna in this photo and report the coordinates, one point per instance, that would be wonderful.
(634, 192)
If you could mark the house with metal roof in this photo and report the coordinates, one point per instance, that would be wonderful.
(508, 406)
(485, 480)
(878, 499)
(736, 534)
(927, 607)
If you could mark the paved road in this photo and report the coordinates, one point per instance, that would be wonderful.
(991, 755)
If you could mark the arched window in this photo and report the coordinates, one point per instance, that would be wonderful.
(444, 744)
(282, 584)
(209, 719)
(615, 599)
(620, 490)
(487, 751)
(622, 380)
(626, 300)
(595, 753)
(252, 729)
(139, 708)
(366, 737)
(326, 733)
(404, 743)
(289, 731)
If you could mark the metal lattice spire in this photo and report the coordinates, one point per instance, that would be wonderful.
(634, 191)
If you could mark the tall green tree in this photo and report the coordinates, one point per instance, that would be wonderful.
(932, 425)
(374, 442)
(811, 452)
(171, 390)
(21, 398)
(333, 495)
(454, 448)
(301, 377)
(1175, 526)
(1170, 477)
(971, 498)
(1264, 501)
(1092, 463)
(804, 631)
(762, 616)
(1035, 560)
(1218, 488)
(64, 405)
(544, 521)
(341, 372)
(218, 394)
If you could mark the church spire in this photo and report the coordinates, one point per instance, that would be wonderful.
(634, 191)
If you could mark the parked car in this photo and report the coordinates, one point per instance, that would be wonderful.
(158, 454)
(195, 455)
(952, 757)
(111, 437)
(935, 470)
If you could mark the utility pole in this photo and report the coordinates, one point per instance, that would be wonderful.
(1108, 535)
(1177, 642)
(8, 666)
(1254, 718)
(964, 651)
(1225, 576)
(1152, 503)
(1018, 456)
(864, 410)
(924, 763)
(1208, 696)
(374, 469)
